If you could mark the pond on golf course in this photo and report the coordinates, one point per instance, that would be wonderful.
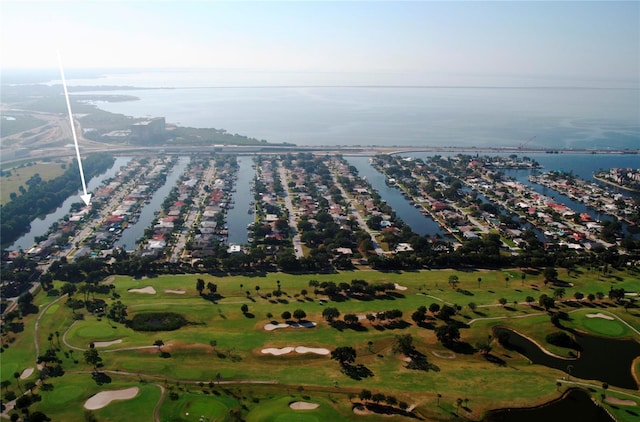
(575, 405)
(604, 359)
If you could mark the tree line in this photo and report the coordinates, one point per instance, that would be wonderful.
(43, 198)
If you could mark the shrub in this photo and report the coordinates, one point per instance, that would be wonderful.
(561, 339)
(157, 321)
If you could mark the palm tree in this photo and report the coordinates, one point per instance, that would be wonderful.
(438, 397)
(200, 285)
(479, 280)
(458, 403)
(604, 388)
(16, 375)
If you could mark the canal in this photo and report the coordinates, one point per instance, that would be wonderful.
(40, 226)
(419, 223)
(239, 217)
(132, 234)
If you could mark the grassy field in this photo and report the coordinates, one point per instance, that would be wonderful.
(220, 339)
(19, 177)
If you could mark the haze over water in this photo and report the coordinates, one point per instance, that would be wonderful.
(286, 107)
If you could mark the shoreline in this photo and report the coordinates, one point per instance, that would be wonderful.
(609, 182)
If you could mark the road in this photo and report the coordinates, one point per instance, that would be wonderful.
(193, 213)
(358, 216)
(297, 243)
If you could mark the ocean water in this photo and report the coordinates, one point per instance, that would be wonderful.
(549, 116)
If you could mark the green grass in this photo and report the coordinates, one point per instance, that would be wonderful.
(142, 405)
(598, 326)
(239, 340)
(191, 406)
(19, 177)
(278, 410)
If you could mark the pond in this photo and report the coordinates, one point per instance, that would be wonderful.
(604, 359)
(575, 405)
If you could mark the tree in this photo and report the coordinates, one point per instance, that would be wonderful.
(484, 347)
(244, 308)
(330, 314)
(453, 281)
(212, 287)
(299, 314)
(370, 317)
(434, 308)
(92, 357)
(25, 302)
(200, 285)
(365, 395)
(158, 343)
(350, 319)
(546, 301)
(378, 397)
(403, 343)
(447, 334)
(68, 288)
(472, 306)
(118, 312)
(446, 312)
(550, 275)
(502, 301)
(16, 375)
(286, 315)
(558, 293)
(344, 355)
(419, 316)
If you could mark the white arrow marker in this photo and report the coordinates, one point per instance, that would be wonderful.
(86, 197)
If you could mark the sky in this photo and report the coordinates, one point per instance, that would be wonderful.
(573, 41)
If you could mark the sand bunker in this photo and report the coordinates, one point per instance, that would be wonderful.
(175, 292)
(26, 373)
(103, 398)
(148, 290)
(600, 315)
(303, 405)
(300, 349)
(316, 350)
(444, 355)
(276, 351)
(399, 287)
(620, 402)
(106, 343)
(271, 327)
